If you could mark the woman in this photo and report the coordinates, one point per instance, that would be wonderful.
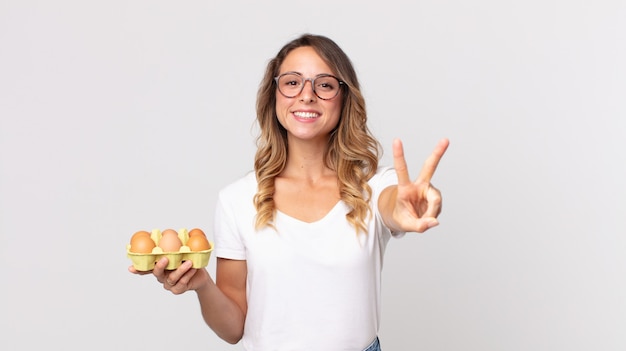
(300, 241)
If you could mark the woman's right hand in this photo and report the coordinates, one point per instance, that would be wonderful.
(182, 279)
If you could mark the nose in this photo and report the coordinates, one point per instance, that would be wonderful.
(307, 94)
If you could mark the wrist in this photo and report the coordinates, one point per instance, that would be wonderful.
(205, 283)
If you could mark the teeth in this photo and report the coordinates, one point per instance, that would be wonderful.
(306, 114)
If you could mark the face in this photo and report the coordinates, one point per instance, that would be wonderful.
(306, 116)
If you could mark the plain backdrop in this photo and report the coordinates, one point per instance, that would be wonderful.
(117, 116)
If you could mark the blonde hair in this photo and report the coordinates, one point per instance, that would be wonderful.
(353, 152)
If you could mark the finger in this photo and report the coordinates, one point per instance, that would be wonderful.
(159, 269)
(134, 270)
(431, 163)
(186, 278)
(176, 275)
(433, 198)
(425, 223)
(399, 162)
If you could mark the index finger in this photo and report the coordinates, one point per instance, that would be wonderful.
(431, 163)
(159, 267)
(399, 162)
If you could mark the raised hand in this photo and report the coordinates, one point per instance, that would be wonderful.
(418, 203)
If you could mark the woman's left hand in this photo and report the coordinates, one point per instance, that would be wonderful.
(417, 204)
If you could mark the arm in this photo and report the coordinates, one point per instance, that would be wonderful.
(222, 303)
(412, 206)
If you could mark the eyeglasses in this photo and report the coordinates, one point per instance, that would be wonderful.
(325, 86)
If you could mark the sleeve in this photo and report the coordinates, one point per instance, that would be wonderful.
(228, 241)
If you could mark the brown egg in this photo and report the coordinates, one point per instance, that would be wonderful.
(198, 243)
(141, 242)
(170, 242)
(169, 231)
(196, 231)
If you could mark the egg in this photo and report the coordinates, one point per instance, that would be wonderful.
(141, 242)
(169, 231)
(170, 242)
(198, 243)
(196, 231)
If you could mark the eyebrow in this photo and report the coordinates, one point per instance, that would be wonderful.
(300, 74)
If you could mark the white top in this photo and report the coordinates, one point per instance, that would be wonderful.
(311, 286)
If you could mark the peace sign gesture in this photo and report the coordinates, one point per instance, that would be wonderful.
(417, 204)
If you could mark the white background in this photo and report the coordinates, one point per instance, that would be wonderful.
(118, 115)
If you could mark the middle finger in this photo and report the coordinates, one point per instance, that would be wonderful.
(431, 163)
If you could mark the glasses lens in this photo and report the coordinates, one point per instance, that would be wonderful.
(326, 87)
(290, 84)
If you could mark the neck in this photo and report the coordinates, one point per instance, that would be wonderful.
(306, 160)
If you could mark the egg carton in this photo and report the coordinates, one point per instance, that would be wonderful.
(146, 261)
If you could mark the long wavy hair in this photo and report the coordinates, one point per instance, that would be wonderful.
(353, 152)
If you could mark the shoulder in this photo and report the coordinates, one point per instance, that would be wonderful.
(242, 188)
(384, 177)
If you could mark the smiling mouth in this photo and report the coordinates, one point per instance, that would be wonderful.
(306, 114)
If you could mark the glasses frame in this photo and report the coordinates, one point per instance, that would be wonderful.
(312, 80)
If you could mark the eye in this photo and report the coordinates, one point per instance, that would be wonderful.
(326, 83)
(290, 80)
